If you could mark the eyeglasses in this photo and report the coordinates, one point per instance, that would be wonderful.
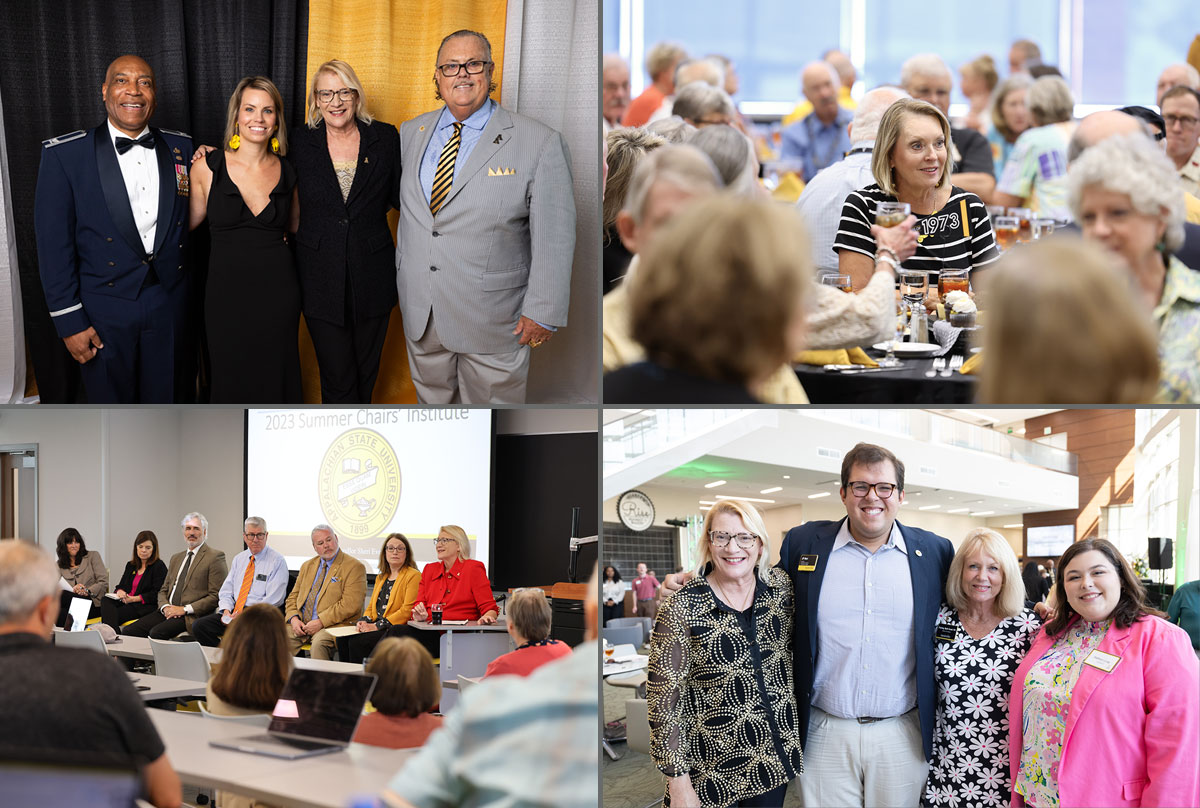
(720, 538)
(395, 549)
(882, 490)
(346, 94)
(473, 67)
(1186, 120)
(256, 536)
(440, 540)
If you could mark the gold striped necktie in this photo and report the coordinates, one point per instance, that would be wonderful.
(445, 170)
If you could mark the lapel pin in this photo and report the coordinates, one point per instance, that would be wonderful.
(420, 128)
(918, 552)
(498, 139)
(366, 160)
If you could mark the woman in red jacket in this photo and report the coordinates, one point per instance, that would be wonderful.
(457, 582)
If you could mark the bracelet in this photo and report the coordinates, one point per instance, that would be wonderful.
(887, 259)
(889, 251)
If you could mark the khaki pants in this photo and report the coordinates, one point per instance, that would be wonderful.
(647, 608)
(323, 644)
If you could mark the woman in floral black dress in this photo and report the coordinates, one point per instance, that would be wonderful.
(982, 634)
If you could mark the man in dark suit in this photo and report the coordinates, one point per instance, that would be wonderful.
(111, 216)
(193, 584)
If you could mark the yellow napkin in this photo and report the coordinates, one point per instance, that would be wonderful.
(789, 188)
(854, 356)
(972, 364)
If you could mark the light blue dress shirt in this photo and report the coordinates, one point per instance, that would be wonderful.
(471, 131)
(866, 653)
(817, 145)
(821, 200)
(269, 584)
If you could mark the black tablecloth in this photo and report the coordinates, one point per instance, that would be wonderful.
(906, 385)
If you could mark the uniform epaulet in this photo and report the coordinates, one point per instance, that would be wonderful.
(67, 138)
(173, 132)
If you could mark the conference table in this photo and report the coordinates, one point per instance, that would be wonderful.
(466, 649)
(323, 781)
(139, 648)
(165, 687)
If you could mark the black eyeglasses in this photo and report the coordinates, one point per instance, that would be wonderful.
(473, 68)
(346, 94)
(397, 549)
(442, 540)
(882, 490)
(256, 536)
(720, 538)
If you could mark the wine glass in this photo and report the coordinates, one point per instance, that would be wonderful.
(841, 282)
(890, 214)
(1006, 228)
(890, 360)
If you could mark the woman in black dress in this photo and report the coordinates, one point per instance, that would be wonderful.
(252, 299)
(348, 166)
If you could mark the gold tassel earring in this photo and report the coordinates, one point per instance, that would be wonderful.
(275, 145)
(235, 142)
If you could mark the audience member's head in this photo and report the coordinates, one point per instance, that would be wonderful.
(903, 116)
(1180, 73)
(979, 76)
(1181, 114)
(408, 683)
(660, 64)
(1023, 54)
(626, 148)
(819, 82)
(664, 183)
(28, 589)
(847, 75)
(1100, 125)
(690, 70)
(926, 78)
(702, 104)
(71, 548)
(732, 82)
(615, 83)
(720, 293)
(1152, 123)
(1010, 114)
(1049, 101)
(1064, 328)
(733, 155)
(255, 659)
(864, 128)
(672, 130)
(1037, 71)
(528, 616)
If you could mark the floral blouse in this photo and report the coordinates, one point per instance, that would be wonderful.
(1047, 699)
(1178, 319)
(720, 694)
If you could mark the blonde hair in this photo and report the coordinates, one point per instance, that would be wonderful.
(1049, 101)
(984, 67)
(626, 148)
(682, 165)
(662, 56)
(1011, 598)
(720, 288)
(889, 136)
(1064, 327)
(235, 101)
(460, 536)
(346, 73)
(753, 521)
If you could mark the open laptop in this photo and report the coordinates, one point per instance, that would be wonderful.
(316, 714)
(77, 613)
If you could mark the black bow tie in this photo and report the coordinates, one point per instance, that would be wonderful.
(124, 144)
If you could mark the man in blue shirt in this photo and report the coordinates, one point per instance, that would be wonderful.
(820, 138)
(258, 574)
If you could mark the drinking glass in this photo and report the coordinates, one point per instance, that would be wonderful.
(1042, 228)
(994, 210)
(1006, 228)
(951, 280)
(914, 283)
(890, 214)
(1025, 218)
(841, 282)
(890, 360)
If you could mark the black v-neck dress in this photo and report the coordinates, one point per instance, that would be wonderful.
(252, 300)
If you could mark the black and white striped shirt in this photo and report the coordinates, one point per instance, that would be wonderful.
(959, 236)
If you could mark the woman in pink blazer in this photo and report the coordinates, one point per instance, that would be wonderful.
(1104, 708)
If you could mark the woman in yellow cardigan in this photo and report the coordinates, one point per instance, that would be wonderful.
(391, 600)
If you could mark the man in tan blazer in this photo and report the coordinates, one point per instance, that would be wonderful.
(194, 579)
(329, 592)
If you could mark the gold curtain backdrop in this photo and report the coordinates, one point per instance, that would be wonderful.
(393, 48)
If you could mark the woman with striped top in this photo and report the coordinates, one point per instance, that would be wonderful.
(911, 164)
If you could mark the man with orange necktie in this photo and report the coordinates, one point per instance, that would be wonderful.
(258, 574)
(329, 592)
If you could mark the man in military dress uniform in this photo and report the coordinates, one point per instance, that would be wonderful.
(111, 216)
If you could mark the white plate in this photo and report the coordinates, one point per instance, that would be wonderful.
(910, 348)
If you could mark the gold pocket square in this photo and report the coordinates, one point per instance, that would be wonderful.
(501, 172)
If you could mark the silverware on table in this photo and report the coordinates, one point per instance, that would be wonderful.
(939, 362)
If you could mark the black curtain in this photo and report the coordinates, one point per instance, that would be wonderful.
(53, 56)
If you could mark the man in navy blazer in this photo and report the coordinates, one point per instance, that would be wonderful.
(111, 215)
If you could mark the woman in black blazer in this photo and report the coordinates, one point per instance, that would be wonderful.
(138, 588)
(348, 168)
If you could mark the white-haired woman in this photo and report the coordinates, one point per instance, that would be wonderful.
(982, 633)
(720, 694)
(1124, 193)
(1035, 175)
(701, 104)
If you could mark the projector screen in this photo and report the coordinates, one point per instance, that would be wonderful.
(368, 473)
(1052, 540)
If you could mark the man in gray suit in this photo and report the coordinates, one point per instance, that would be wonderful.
(486, 236)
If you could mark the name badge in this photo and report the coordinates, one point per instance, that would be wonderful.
(262, 576)
(945, 634)
(808, 563)
(181, 179)
(1102, 661)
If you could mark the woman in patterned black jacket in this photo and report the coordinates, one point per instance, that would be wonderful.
(720, 697)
